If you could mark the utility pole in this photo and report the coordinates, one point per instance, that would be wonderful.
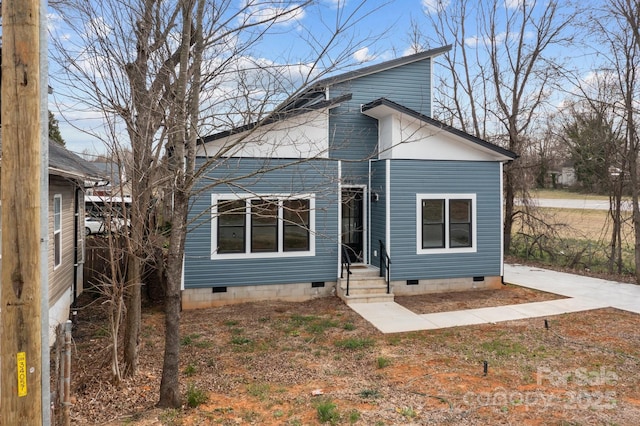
(20, 293)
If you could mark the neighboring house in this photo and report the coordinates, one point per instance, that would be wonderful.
(67, 176)
(117, 183)
(354, 167)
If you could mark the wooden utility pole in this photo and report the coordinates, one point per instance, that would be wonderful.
(20, 294)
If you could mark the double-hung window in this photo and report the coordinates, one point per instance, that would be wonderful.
(57, 230)
(446, 223)
(262, 226)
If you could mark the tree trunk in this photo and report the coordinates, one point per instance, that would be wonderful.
(169, 385)
(133, 316)
(509, 198)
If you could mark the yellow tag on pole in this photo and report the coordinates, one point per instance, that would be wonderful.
(21, 361)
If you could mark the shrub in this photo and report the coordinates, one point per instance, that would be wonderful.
(195, 396)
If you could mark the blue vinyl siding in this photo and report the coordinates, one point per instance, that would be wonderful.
(378, 208)
(317, 177)
(354, 136)
(410, 177)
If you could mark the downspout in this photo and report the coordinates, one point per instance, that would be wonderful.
(502, 223)
(368, 201)
(76, 229)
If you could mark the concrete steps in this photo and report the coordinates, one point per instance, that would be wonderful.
(365, 286)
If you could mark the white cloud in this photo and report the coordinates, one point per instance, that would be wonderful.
(271, 14)
(362, 55)
(434, 6)
(518, 4)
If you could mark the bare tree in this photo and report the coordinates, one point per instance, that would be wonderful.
(496, 80)
(624, 46)
(167, 72)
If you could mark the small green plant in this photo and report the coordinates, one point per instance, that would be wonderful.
(407, 412)
(383, 362)
(278, 414)
(195, 396)
(230, 323)
(169, 417)
(355, 343)
(319, 326)
(189, 339)
(240, 340)
(203, 344)
(328, 412)
(502, 347)
(369, 393)
(354, 416)
(258, 390)
(349, 326)
(190, 370)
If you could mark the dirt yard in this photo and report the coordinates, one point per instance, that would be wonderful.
(320, 363)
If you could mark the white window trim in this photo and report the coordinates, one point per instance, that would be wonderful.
(447, 249)
(215, 198)
(57, 257)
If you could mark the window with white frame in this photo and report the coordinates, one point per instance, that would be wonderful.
(262, 226)
(446, 223)
(57, 230)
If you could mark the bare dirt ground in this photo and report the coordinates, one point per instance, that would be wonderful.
(319, 362)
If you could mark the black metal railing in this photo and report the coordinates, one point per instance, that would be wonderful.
(346, 261)
(385, 261)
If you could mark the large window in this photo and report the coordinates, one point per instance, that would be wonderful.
(57, 230)
(446, 223)
(266, 226)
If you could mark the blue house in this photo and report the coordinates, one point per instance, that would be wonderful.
(349, 189)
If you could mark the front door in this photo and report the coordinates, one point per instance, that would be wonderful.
(353, 223)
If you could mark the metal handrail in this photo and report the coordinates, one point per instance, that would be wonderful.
(385, 261)
(345, 261)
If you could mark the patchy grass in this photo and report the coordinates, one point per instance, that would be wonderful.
(583, 368)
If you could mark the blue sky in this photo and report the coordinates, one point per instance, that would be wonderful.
(381, 33)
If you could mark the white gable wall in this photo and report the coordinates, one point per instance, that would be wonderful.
(402, 137)
(303, 136)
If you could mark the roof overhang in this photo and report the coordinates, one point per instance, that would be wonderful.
(383, 109)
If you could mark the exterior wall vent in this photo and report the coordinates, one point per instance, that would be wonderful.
(218, 289)
(317, 284)
(412, 282)
(478, 279)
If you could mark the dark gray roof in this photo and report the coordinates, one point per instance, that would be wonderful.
(439, 124)
(63, 162)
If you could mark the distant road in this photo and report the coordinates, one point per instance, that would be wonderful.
(578, 204)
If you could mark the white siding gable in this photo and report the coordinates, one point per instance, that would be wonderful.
(302, 136)
(401, 136)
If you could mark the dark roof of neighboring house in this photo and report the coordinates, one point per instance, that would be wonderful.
(439, 124)
(278, 115)
(63, 162)
(109, 170)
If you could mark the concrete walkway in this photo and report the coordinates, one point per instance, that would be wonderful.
(583, 293)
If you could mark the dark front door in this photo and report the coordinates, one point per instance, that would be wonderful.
(353, 223)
